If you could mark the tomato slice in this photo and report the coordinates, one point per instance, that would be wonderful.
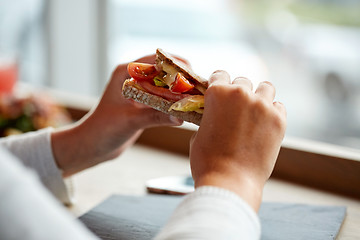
(142, 71)
(181, 84)
(161, 92)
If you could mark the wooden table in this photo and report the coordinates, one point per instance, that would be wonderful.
(128, 174)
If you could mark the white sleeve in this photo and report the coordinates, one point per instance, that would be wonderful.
(30, 212)
(212, 213)
(34, 150)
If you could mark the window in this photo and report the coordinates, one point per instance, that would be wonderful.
(308, 49)
(311, 49)
(22, 39)
(204, 31)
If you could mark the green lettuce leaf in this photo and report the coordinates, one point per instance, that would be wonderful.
(159, 82)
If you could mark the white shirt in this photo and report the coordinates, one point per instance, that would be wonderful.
(29, 211)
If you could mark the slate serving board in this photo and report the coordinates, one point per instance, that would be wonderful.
(141, 217)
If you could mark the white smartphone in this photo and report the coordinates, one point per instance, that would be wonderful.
(173, 185)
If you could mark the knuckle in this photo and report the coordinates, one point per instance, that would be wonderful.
(239, 91)
(240, 94)
(215, 90)
(279, 121)
(118, 69)
(230, 94)
(260, 105)
(119, 72)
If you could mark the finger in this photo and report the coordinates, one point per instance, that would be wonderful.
(219, 77)
(118, 76)
(147, 59)
(266, 90)
(153, 118)
(280, 107)
(121, 73)
(193, 138)
(243, 82)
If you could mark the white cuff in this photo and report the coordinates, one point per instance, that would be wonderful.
(212, 213)
(35, 151)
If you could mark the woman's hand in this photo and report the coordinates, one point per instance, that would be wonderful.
(239, 138)
(109, 129)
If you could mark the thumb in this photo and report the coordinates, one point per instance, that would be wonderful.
(154, 118)
(193, 138)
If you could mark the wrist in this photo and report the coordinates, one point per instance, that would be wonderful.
(67, 148)
(88, 143)
(244, 186)
(75, 148)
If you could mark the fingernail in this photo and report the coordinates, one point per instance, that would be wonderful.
(218, 72)
(241, 78)
(268, 83)
(175, 120)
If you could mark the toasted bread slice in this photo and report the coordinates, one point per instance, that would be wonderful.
(163, 57)
(130, 90)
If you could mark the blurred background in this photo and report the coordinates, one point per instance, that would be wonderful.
(309, 49)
